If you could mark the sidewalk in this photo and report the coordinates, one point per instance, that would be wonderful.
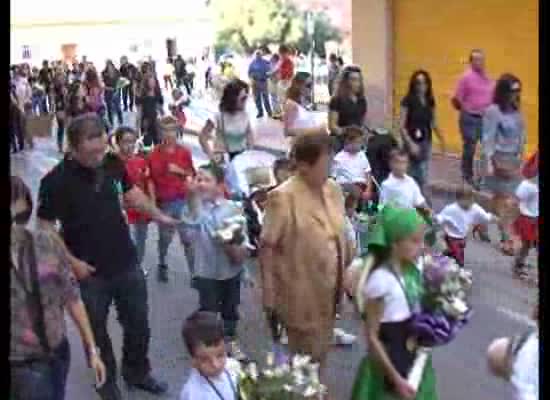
(445, 173)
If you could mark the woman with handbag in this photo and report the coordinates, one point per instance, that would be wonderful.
(391, 294)
(230, 129)
(304, 251)
(503, 144)
(42, 287)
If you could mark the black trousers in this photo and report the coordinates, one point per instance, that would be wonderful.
(17, 132)
(112, 101)
(128, 97)
(128, 291)
(150, 130)
(221, 297)
(60, 132)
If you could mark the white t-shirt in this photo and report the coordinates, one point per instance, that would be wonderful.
(382, 283)
(528, 196)
(403, 192)
(197, 387)
(457, 222)
(351, 168)
(232, 130)
(525, 371)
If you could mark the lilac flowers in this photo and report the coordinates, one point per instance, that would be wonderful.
(444, 307)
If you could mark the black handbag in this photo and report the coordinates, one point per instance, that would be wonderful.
(33, 298)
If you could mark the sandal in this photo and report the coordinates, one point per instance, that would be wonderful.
(507, 247)
(521, 272)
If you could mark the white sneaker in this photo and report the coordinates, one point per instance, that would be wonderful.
(284, 338)
(341, 338)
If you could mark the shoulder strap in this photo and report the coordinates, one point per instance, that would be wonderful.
(400, 281)
(221, 131)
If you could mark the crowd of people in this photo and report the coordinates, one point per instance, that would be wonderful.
(297, 225)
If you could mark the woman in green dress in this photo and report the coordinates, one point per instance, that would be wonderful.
(392, 293)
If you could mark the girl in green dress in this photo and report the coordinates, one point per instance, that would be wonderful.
(392, 293)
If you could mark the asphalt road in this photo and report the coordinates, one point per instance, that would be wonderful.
(501, 305)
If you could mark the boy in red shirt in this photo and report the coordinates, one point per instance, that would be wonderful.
(171, 168)
(284, 71)
(137, 169)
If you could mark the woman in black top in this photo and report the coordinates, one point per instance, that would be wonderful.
(110, 77)
(149, 100)
(348, 106)
(417, 123)
(60, 96)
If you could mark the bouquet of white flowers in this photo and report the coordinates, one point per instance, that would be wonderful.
(232, 230)
(297, 379)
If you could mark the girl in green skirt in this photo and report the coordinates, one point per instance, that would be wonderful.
(392, 293)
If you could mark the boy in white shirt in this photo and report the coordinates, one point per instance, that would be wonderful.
(210, 377)
(399, 188)
(351, 166)
(458, 219)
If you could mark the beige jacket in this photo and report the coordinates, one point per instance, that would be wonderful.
(311, 250)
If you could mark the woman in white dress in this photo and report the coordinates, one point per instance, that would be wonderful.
(297, 119)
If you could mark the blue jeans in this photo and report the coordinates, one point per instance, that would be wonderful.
(470, 127)
(261, 96)
(174, 209)
(418, 170)
(139, 235)
(42, 380)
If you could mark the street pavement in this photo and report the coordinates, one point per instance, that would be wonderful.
(501, 307)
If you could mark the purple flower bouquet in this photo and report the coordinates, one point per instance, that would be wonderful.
(444, 308)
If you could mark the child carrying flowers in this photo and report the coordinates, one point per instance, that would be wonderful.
(393, 293)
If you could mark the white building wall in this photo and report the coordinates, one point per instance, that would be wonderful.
(100, 42)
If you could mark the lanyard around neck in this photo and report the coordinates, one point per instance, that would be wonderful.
(215, 389)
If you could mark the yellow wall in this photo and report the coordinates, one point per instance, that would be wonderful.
(438, 35)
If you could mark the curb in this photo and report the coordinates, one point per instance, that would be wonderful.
(450, 189)
(439, 187)
(267, 149)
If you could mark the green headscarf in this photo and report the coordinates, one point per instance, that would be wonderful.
(393, 224)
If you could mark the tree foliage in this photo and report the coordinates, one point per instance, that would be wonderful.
(244, 25)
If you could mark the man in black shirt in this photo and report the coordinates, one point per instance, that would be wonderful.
(128, 71)
(83, 193)
(180, 69)
(45, 78)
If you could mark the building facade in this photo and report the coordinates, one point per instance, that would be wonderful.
(393, 38)
(58, 29)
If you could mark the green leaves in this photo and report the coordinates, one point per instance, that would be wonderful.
(245, 25)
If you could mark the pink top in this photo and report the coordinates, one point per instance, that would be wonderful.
(475, 92)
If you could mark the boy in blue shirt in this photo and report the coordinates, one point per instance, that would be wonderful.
(218, 261)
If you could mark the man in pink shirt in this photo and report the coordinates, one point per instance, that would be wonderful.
(474, 93)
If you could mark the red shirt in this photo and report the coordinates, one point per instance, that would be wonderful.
(169, 186)
(286, 71)
(137, 170)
